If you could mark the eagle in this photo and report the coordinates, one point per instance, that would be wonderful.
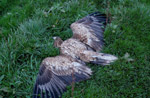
(69, 66)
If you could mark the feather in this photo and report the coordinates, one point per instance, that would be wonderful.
(52, 83)
(57, 72)
(90, 30)
(97, 58)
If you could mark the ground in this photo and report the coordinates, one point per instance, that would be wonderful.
(27, 28)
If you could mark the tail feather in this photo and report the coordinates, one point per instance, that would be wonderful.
(98, 58)
(104, 59)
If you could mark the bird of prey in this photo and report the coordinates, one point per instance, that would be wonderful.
(83, 47)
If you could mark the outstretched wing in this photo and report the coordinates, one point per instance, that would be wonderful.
(89, 30)
(56, 73)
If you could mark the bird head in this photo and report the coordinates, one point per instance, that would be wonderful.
(57, 41)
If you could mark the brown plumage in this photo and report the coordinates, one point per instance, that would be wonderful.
(56, 72)
(89, 30)
(78, 50)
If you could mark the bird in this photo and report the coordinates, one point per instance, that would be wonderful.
(85, 46)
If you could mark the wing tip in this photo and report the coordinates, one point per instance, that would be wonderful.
(36, 91)
(95, 13)
(101, 17)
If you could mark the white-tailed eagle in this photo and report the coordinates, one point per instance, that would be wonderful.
(70, 66)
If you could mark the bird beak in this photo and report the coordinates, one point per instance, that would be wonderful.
(54, 38)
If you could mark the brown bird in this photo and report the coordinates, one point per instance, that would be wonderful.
(70, 66)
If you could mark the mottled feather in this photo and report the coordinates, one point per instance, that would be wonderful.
(56, 73)
(89, 30)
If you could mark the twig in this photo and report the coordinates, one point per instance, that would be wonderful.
(108, 20)
(72, 84)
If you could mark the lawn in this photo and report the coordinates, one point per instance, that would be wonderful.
(27, 28)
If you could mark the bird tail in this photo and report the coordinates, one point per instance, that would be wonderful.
(98, 58)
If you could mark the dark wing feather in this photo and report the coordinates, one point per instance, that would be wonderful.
(54, 76)
(89, 30)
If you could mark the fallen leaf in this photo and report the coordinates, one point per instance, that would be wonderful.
(127, 57)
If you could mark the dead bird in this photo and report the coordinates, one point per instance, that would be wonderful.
(83, 47)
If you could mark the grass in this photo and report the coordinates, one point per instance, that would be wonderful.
(27, 28)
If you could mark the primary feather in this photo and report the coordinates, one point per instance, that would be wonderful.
(89, 30)
(56, 73)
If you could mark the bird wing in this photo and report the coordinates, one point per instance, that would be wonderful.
(89, 30)
(56, 73)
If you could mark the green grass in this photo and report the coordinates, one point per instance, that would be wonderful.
(27, 28)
